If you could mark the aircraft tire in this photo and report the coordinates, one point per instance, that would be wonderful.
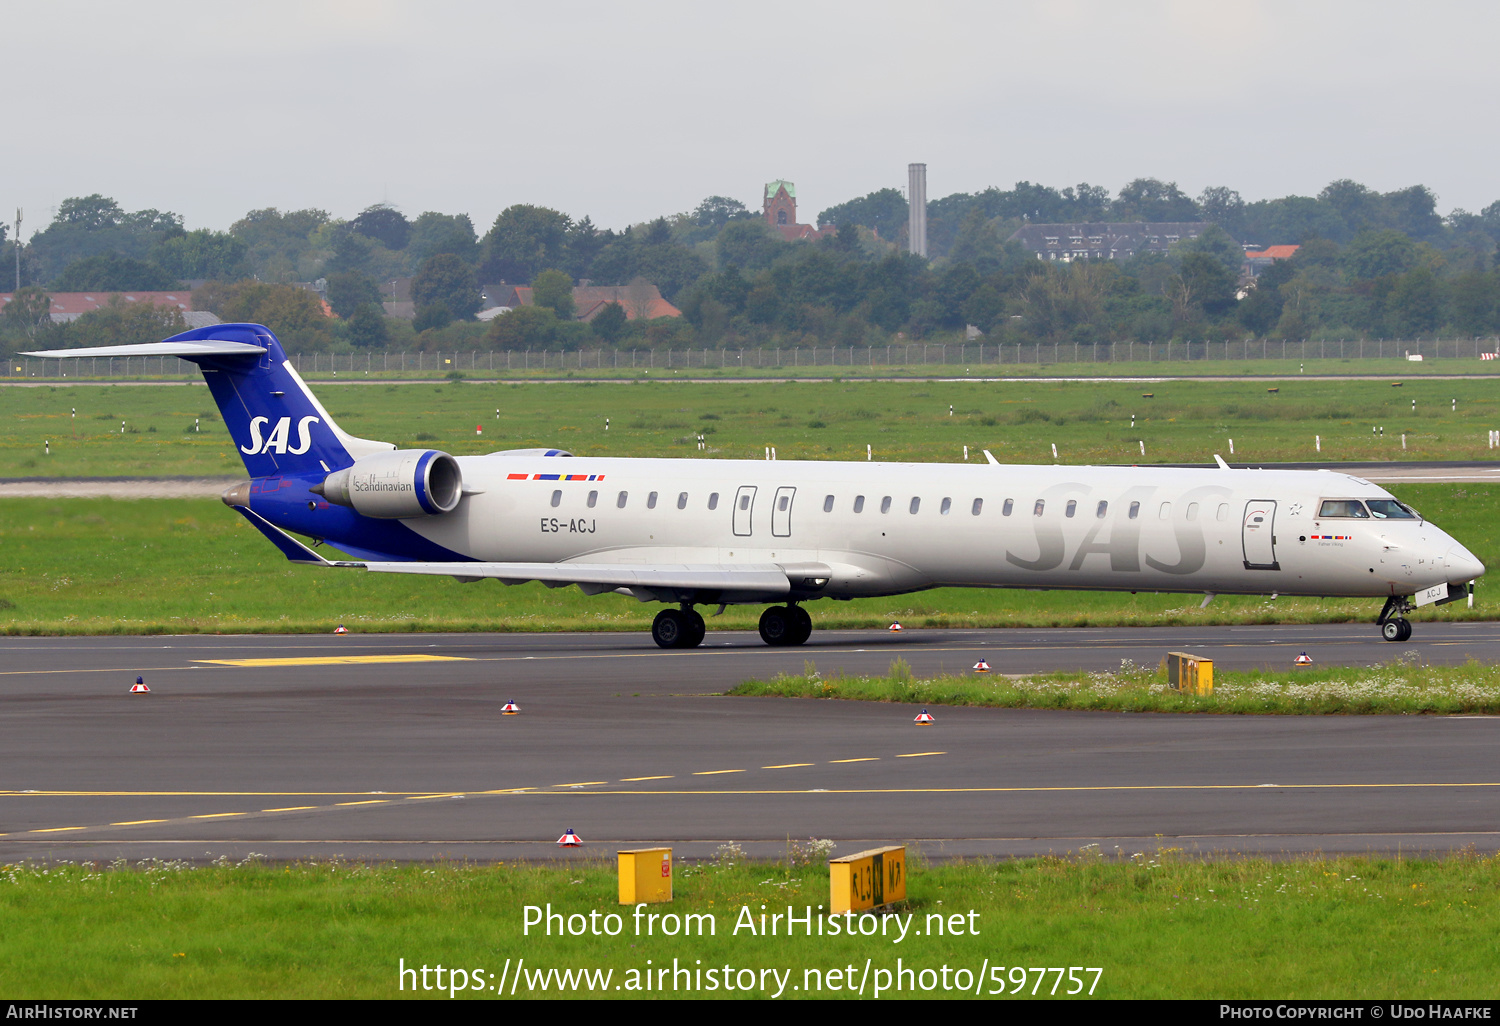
(671, 629)
(1405, 629)
(697, 629)
(776, 627)
(802, 626)
(1390, 630)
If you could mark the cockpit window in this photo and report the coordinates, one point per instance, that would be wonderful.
(1343, 508)
(1390, 509)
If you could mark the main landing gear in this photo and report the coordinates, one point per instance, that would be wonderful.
(785, 625)
(1393, 625)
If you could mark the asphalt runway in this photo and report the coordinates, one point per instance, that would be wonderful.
(394, 747)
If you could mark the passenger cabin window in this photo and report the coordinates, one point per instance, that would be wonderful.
(713, 500)
(783, 502)
(1343, 508)
(1192, 511)
(1135, 510)
(1071, 508)
(885, 504)
(593, 499)
(1166, 511)
(1036, 510)
(1390, 509)
(745, 501)
(978, 505)
(651, 501)
(620, 502)
(1006, 509)
(682, 500)
(916, 504)
(946, 506)
(1223, 512)
(828, 504)
(557, 498)
(1101, 509)
(859, 504)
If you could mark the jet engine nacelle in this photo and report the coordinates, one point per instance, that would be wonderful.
(396, 485)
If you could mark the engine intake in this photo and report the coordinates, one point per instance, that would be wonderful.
(397, 485)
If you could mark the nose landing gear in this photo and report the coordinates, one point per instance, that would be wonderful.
(1393, 625)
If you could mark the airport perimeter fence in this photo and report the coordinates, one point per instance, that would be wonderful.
(900, 355)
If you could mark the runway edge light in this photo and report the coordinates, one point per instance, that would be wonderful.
(924, 718)
(510, 709)
(1302, 660)
(569, 839)
(981, 667)
(139, 687)
(895, 628)
(341, 629)
(645, 875)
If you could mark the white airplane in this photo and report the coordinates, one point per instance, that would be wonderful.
(782, 533)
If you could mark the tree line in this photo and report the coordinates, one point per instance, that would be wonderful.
(1370, 264)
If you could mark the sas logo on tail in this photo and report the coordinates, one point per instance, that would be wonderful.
(277, 441)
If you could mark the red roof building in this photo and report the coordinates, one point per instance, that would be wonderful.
(69, 306)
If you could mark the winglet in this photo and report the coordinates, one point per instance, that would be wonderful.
(1220, 461)
(990, 457)
(289, 546)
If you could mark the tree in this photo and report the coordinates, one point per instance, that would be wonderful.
(1203, 284)
(748, 244)
(525, 327)
(523, 241)
(295, 314)
(202, 254)
(367, 327)
(1150, 199)
(385, 224)
(432, 315)
(95, 225)
(554, 290)
(446, 279)
(658, 233)
(1376, 254)
(1216, 242)
(280, 244)
(29, 308)
(1412, 306)
(433, 233)
(91, 213)
(1225, 208)
(610, 323)
(110, 273)
(717, 211)
(349, 291)
(884, 210)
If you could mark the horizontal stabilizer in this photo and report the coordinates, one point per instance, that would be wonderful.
(186, 350)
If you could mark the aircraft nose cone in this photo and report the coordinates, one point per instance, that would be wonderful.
(1462, 565)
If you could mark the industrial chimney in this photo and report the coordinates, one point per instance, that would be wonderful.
(916, 198)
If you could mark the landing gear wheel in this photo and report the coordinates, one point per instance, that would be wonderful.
(697, 629)
(776, 626)
(801, 625)
(671, 629)
(1398, 629)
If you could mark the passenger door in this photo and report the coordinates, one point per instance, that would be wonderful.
(781, 512)
(744, 510)
(1259, 535)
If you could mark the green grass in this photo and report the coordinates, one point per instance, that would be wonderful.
(1404, 686)
(1090, 422)
(1159, 924)
(159, 566)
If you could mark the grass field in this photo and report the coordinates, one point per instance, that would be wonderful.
(1404, 686)
(159, 566)
(1089, 422)
(1158, 924)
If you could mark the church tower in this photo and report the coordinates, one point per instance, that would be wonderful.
(780, 204)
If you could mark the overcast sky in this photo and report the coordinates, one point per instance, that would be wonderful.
(627, 111)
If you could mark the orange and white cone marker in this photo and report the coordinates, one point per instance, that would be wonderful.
(981, 667)
(510, 709)
(341, 629)
(139, 687)
(895, 628)
(924, 718)
(1302, 660)
(569, 839)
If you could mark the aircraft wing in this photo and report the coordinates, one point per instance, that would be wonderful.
(647, 582)
(186, 350)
